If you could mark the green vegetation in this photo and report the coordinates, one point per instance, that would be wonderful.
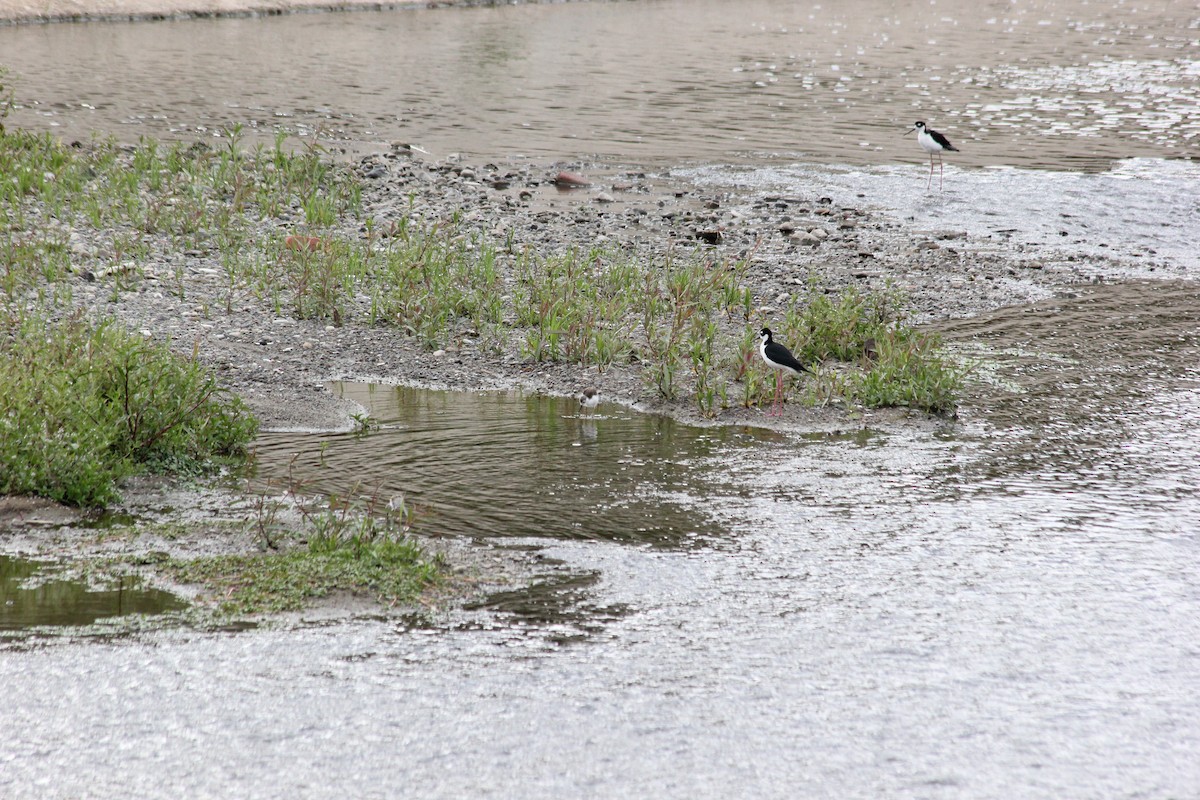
(85, 405)
(286, 230)
(899, 366)
(345, 547)
(910, 370)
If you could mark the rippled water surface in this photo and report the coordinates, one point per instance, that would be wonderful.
(1048, 83)
(1002, 606)
(500, 464)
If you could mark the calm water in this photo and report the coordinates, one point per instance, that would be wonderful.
(32, 595)
(1053, 84)
(1001, 607)
(509, 465)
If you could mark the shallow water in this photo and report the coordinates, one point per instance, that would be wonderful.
(33, 596)
(1001, 607)
(1136, 220)
(509, 465)
(1054, 84)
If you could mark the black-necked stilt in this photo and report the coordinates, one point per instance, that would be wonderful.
(589, 398)
(780, 359)
(935, 144)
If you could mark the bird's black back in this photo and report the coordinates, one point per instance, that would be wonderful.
(942, 140)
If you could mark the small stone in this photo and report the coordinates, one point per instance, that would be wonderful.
(604, 197)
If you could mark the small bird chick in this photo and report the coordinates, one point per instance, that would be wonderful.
(589, 398)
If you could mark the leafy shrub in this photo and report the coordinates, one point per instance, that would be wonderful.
(909, 370)
(87, 405)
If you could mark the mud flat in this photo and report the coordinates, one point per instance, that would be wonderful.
(282, 366)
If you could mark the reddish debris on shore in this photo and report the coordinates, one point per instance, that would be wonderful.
(570, 180)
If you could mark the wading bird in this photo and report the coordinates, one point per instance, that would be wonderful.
(935, 144)
(780, 359)
(589, 398)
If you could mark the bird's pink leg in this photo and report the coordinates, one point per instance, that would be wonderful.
(929, 185)
(941, 173)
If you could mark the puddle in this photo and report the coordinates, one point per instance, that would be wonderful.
(506, 464)
(32, 597)
(503, 466)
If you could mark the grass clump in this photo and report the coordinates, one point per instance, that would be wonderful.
(909, 370)
(889, 363)
(823, 326)
(348, 548)
(86, 405)
(151, 200)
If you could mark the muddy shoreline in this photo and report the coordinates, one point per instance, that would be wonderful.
(283, 367)
(26, 12)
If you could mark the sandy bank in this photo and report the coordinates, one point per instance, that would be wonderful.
(27, 11)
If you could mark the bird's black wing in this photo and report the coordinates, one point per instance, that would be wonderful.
(941, 140)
